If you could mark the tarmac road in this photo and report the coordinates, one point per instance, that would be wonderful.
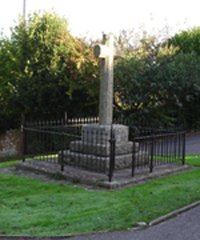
(193, 143)
(185, 226)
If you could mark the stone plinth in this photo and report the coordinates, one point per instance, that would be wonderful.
(95, 133)
(100, 149)
(93, 150)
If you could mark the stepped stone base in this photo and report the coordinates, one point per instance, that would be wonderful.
(93, 151)
(100, 149)
(101, 164)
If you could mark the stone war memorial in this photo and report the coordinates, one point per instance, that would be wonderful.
(94, 144)
(96, 151)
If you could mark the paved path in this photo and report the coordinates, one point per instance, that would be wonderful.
(186, 226)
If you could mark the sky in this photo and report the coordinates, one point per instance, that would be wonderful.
(90, 18)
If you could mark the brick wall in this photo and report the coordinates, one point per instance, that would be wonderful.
(10, 144)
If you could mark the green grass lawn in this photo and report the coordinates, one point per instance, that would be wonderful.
(193, 160)
(10, 163)
(33, 207)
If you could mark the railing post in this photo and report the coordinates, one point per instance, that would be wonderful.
(24, 139)
(112, 154)
(152, 154)
(183, 152)
(65, 118)
(62, 153)
(133, 158)
(61, 161)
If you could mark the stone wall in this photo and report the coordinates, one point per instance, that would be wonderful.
(10, 145)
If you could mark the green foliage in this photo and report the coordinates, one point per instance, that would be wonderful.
(187, 41)
(7, 109)
(137, 90)
(157, 84)
(193, 160)
(179, 79)
(187, 65)
(47, 70)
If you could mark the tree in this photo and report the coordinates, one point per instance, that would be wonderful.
(47, 70)
(179, 82)
(136, 92)
(159, 85)
(187, 41)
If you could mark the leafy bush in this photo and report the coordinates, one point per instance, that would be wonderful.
(46, 70)
(187, 41)
(158, 85)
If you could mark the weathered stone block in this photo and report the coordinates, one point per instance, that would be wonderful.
(101, 164)
(88, 161)
(93, 150)
(100, 149)
(95, 133)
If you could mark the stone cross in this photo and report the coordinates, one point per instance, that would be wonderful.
(105, 52)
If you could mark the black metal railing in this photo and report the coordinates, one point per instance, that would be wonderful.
(159, 149)
(45, 144)
(68, 143)
(91, 151)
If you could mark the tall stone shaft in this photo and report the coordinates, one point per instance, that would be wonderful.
(106, 84)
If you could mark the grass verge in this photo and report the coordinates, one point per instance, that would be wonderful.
(10, 163)
(32, 207)
(193, 160)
